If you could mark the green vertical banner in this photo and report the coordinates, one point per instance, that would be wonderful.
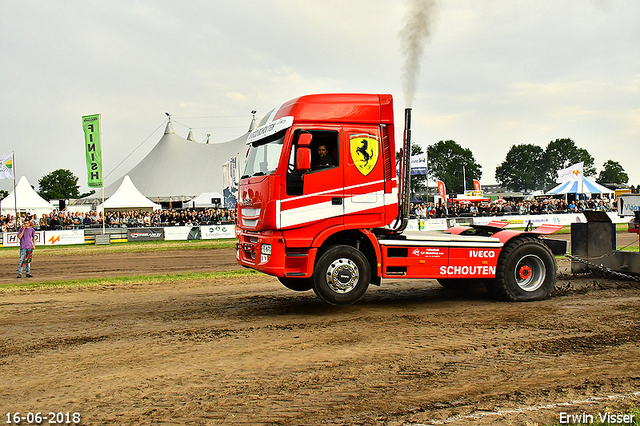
(91, 126)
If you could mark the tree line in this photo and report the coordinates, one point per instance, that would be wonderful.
(60, 184)
(526, 168)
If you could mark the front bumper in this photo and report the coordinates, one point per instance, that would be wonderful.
(281, 262)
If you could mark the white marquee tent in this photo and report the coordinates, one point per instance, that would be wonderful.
(127, 197)
(28, 200)
(180, 169)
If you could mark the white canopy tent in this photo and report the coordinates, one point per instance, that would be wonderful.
(586, 185)
(28, 200)
(206, 200)
(127, 197)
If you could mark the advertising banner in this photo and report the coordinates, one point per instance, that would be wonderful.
(60, 238)
(213, 232)
(427, 225)
(181, 233)
(543, 219)
(145, 234)
(10, 239)
(91, 127)
(628, 204)
(442, 190)
(419, 164)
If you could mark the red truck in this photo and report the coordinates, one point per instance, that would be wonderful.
(336, 223)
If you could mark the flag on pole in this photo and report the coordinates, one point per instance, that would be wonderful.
(91, 127)
(571, 173)
(476, 185)
(419, 164)
(442, 190)
(6, 167)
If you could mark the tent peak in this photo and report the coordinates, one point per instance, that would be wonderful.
(169, 129)
(254, 122)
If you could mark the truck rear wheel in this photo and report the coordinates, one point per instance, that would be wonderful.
(341, 276)
(526, 271)
(297, 284)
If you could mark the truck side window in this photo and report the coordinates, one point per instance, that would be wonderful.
(324, 152)
(324, 155)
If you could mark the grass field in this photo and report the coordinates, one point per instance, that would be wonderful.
(135, 247)
(113, 281)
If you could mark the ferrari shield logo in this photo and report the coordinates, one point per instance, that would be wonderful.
(364, 151)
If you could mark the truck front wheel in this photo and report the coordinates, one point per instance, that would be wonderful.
(341, 276)
(526, 271)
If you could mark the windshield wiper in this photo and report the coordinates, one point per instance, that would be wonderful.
(259, 174)
(244, 176)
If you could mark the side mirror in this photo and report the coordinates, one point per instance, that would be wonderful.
(303, 159)
(304, 139)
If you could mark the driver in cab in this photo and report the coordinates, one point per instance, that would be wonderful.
(325, 159)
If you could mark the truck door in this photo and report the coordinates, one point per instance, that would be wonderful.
(364, 177)
(313, 199)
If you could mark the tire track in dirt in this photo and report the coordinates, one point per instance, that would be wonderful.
(248, 351)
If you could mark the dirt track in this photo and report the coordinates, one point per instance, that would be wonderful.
(249, 351)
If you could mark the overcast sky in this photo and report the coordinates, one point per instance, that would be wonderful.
(494, 73)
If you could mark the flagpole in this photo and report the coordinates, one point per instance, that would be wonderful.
(464, 179)
(427, 175)
(15, 196)
(104, 216)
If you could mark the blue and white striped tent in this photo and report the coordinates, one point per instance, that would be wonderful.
(588, 186)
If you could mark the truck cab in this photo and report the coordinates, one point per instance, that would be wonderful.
(290, 203)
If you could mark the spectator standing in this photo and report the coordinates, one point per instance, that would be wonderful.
(87, 222)
(27, 237)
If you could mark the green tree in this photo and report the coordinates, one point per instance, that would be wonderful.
(561, 154)
(521, 170)
(3, 194)
(612, 172)
(446, 160)
(60, 184)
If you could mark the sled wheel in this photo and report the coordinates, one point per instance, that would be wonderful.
(341, 276)
(526, 271)
(297, 284)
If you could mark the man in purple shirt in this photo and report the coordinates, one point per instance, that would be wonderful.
(27, 237)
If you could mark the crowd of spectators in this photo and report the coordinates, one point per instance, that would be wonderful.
(502, 207)
(58, 220)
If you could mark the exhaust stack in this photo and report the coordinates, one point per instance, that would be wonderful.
(404, 177)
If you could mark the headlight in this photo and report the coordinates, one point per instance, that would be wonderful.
(266, 249)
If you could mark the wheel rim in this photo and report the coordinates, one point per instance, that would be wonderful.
(530, 273)
(342, 275)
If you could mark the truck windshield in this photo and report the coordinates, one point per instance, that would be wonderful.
(264, 156)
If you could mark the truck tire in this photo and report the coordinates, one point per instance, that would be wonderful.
(297, 284)
(526, 271)
(341, 276)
